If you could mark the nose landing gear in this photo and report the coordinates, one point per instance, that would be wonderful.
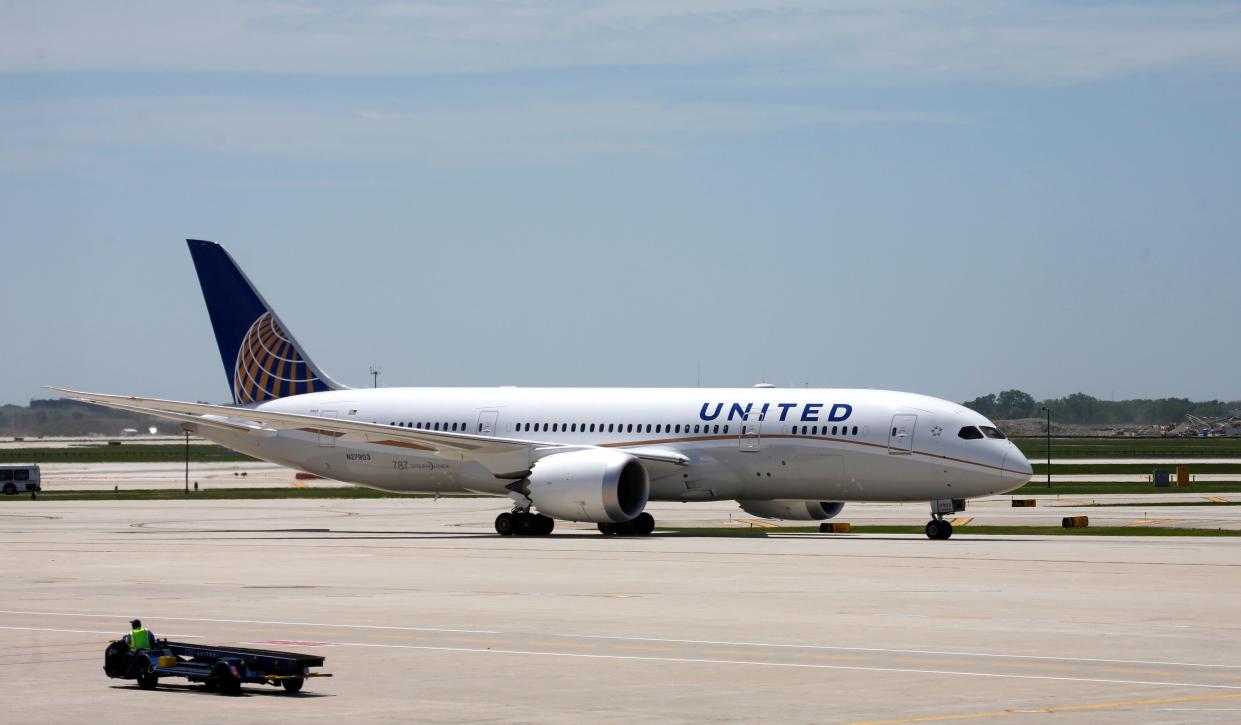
(937, 528)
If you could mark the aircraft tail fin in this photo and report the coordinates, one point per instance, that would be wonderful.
(263, 361)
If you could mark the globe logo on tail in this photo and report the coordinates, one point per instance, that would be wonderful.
(269, 365)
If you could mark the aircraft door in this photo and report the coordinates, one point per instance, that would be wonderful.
(487, 422)
(901, 435)
(327, 439)
(751, 431)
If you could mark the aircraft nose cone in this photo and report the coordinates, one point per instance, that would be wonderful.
(1015, 462)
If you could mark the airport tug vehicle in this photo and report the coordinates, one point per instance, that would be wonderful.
(221, 669)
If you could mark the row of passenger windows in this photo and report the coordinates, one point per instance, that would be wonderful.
(696, 429)
(428, 426)
(619, 428)
(813, 430)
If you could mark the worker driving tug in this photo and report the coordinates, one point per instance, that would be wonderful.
(139, 637)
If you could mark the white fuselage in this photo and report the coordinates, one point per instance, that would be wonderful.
(811, 444)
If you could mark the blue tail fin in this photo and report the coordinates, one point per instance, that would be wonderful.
(262, 359)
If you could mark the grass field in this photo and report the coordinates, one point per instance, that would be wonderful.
(124, 453)
(1097, 469)
(1088, 489)
(1036, 448)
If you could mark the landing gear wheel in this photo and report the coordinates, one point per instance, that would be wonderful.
(608, 529)
(938, 530)
(147, 680)
(544, 524)
(506, 524)
(526, 525)
(294, 685)
(642, 525)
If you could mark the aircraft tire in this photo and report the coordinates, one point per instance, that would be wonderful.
(642, 525)
(506, 524)
(608, 529)
(544, 525)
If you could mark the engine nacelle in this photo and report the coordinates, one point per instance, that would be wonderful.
(595, 485)
(792, 509)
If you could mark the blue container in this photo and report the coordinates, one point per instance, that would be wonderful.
(1162, 479)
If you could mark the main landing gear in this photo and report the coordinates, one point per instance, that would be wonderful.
(937, 528)
(524, 523)
(641, 525)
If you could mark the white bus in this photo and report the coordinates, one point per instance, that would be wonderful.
(18, 478)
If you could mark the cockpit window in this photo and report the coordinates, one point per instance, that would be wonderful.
(969, 433)
(992, 432)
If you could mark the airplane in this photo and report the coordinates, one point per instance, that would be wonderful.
(595, 455)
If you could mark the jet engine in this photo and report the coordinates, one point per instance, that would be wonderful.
(792, 509)
(600, 486)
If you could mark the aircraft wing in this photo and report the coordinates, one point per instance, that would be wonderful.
(504, 457)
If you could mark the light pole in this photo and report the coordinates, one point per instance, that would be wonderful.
(187, 461)
(1047, 410)
(375, 375)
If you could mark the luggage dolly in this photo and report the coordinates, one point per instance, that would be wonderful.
(222, 669)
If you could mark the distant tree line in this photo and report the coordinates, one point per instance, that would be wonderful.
(1082, 408)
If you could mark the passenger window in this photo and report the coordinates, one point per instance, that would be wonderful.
(6, 475)
(834, 430)
(592, 427)
(544, 427)
(992, 432)
(21, 475)
(725, 429)
(610, 427)
(695, 429)
(855, 430)
(969, 433)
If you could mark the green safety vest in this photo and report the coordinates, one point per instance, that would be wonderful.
(139, 639)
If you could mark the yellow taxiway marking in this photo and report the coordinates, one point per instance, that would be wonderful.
(1048, 710)
(962, 521)
(1152, 522)
(1217, 499)
(298, 484)
(757, 522)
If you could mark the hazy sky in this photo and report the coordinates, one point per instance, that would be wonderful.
(946, 197)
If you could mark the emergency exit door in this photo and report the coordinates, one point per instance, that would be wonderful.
(751, 436)
(487, 422)
(901, 436)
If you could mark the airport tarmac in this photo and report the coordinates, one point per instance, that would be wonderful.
(426, 616)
